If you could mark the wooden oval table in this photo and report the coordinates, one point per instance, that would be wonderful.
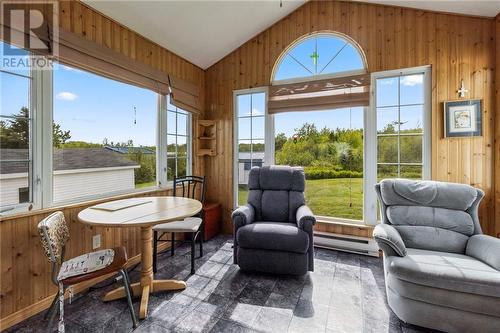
(142, 212)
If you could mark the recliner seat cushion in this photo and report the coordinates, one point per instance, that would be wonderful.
(444, 270)
(273, 236)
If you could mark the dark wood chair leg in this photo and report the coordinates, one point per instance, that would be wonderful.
(202, 239)
(155, 250)
(172, 247)
(193, 250)
(128, 292)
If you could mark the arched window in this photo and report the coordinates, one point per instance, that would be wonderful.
(320, 55)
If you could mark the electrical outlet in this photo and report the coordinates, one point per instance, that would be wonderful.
(96, 241)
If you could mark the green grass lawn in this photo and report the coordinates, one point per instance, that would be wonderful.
(330, 197)
(144, 185)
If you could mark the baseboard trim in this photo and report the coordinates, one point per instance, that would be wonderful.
(35, 308)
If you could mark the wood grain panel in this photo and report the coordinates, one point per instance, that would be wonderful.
(456, 46)
(25, 286)
(497, 127)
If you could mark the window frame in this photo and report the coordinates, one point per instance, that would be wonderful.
(163, 134)
(41, 148)
(372, 135)
(268, 133)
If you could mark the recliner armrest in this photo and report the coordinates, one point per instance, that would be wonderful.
(243, 215)
(484, 248)
(305, 217)
(389, 240)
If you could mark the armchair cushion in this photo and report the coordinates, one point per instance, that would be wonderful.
(486, 249)
(243, 215)
(389, 240)
(450, 271)
(273, 236)
(305, 217)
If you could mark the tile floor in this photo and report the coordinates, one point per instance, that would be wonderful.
(345, 293)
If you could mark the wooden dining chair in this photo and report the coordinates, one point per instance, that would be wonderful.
(194, 226)
(54, 234)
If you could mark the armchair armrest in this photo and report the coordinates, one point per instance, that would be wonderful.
(243, 215)
(484, 248)
(305, 218)
(389, 240)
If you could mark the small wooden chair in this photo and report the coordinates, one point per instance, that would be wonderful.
(54, 234)
(191, 225)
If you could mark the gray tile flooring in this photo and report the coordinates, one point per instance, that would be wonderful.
(345, 293)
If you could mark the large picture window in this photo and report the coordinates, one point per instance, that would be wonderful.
(178, 142)
(104, 138)
(403, 120)
(16, 125)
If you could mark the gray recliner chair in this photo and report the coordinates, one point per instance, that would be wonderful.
(274, 232)
(441, 272)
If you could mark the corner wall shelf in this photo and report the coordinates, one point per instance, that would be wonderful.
(207, 138)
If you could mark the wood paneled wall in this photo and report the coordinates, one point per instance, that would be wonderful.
(497, 126)
(25, 283)
(457, 47)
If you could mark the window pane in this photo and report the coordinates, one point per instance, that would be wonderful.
(258, 104)
(412, 89)
(411, 171)
(244, 105)
(171, 122)
(105, 140)
(15, 132)
(387, 149)
(15, 181)
(329, 145)
(258, 127)
(181, 146)
(182, 122)
(171, 167)
(171, 145)
(411, 149)
(14, 94)
(412, 119)
(387, 120)
(387, 171)
(181, 167)
(244, 128)
(387, 91)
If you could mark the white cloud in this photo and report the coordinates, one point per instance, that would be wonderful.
(256, 112)
(412, 80)
(66, 96)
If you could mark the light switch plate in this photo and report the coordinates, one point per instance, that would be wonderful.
(96, 241)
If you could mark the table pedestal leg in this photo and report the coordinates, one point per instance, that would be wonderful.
(148, 284)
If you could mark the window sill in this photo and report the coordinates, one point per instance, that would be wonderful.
(90, 202)
(343, 222)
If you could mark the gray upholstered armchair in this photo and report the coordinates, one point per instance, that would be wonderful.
(441, 272)
(274, 232)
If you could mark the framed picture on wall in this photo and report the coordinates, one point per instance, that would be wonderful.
(463, 118)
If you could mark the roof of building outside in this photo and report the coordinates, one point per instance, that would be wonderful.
(129, 150)
(248, 156)
(66, 159)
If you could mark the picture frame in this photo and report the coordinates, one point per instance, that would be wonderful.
(463, 118)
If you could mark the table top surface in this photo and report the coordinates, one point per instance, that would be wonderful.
(144, 211)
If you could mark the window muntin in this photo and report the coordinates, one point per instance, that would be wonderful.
(16, 124)
(400, 110)
(104, 137)
(178, 142)
(250, 139)
(320, 55)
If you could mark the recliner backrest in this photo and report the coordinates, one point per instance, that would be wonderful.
(431, 215)
(276, 192)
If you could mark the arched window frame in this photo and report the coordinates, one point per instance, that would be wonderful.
(302, 39)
